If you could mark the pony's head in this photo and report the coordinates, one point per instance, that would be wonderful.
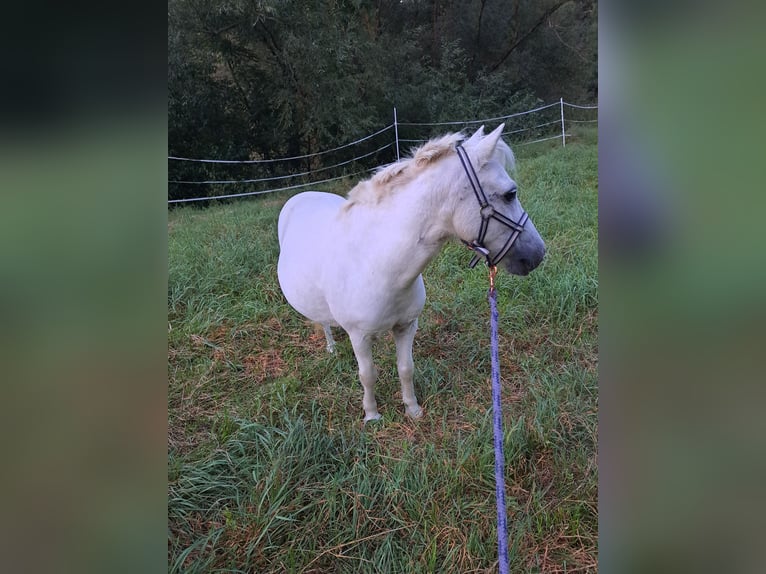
(489, 158)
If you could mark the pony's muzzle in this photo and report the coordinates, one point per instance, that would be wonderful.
(525, 264)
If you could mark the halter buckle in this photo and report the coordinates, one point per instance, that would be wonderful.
(479, 252)
(487, 211)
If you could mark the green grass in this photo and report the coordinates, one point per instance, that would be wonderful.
(269, 466)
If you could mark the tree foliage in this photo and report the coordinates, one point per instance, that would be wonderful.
(250, 79)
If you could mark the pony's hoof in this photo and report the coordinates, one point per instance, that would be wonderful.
(372, 417)
(415, 412)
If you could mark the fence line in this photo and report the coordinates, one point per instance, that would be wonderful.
(554, 122)
(270, 190)
(275, 178)
(562, 135)
(556, 137)
(282, 158)
(581, 107)
(518, 114)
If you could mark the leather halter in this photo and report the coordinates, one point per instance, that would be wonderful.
(488, 212)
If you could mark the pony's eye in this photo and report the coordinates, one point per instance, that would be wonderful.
(509, 196)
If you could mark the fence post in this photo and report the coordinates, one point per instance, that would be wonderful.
(563, 132)
(396, 135)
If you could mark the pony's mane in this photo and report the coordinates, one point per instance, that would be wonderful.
(389, 177)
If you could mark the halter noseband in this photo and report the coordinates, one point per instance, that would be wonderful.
(488, 212)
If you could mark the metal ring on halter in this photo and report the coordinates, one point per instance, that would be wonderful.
(487, 212)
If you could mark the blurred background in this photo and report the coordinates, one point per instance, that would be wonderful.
(83, 140)
(681, 287)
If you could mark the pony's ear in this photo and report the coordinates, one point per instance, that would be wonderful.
(477, 135)
(486, 146)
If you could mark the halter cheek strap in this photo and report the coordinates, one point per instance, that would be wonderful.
(488, 212)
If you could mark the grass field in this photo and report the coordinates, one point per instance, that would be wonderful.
(269, 466)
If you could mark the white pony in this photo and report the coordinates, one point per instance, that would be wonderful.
(357, 262)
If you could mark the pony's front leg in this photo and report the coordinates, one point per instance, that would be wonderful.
(362, 345)
(404, 335)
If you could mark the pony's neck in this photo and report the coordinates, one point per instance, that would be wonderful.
(421, 220)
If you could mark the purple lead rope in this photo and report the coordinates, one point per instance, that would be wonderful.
(497, 417)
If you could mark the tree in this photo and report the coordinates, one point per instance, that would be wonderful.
(266, 78)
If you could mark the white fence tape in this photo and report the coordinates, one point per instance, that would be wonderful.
(282, 158)
(480, 121)
(581, 107)
(269, 190)
(275, 178)
(559, 121)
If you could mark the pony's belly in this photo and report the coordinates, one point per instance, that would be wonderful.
(363, 308)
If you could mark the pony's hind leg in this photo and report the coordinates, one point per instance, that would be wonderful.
(330, 340)
(404, 335)
(362, 345)
(327, 335)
